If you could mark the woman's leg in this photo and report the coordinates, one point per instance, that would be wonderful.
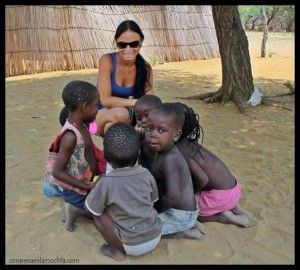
(107, 117)
(114, 247)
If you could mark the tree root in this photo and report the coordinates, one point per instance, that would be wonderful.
(281, 95)
(268, 101)
(214, 97)
(199, 96)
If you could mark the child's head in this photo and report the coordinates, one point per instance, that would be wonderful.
(82, 96)
(191, 129)
(164, 125)
(143, 106)
(121, 145)
(64, 114)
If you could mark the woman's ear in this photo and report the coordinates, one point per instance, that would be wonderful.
(177, 135)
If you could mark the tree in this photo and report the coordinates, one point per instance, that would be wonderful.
(237, 81)
(265, 32)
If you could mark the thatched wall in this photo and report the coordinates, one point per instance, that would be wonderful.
(50, 38)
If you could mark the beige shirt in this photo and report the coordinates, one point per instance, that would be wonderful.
(128, 194)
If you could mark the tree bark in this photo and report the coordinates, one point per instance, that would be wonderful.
(237, 81)
(265, 32)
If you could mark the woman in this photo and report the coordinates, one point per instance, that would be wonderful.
(123, 77)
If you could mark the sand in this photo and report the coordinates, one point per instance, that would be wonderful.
(258, 148)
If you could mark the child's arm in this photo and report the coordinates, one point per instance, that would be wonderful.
(89, 153)
(198, 175)
(172, 183)
(66, 148)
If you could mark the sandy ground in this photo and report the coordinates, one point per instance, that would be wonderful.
(258, 148)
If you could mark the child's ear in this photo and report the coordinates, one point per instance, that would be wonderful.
(84, 105)
(177, 135)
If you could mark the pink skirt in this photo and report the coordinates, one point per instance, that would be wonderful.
(215, 201)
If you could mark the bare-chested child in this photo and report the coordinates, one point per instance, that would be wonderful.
(177, 205)
(218, 192)
(122, 201)
(141, 110)
(76, 157)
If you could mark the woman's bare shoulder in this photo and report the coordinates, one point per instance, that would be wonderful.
(105, 59)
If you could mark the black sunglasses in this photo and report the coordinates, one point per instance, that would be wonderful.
(133, 44)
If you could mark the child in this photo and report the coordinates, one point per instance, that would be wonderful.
(217, 190)
(177, 204)
(122, 201)
(64, 114)
(75, 163)
(142, 108)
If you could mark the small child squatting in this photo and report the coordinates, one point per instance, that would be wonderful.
(142, 108)
(177, 204)
(122, 201)
(218, 192)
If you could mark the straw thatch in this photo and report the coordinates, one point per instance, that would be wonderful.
(50, 38)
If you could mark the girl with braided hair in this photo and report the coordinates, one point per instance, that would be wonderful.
(217, 191)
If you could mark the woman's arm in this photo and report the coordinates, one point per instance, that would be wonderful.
(104, 86)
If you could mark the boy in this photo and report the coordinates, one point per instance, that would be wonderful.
(177, 204)
(122, 201)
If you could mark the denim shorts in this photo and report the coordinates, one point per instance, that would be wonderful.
(74, 198)
(175, 220)
(143, 248)
(50, 190)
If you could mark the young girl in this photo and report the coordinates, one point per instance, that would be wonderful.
(218, 191)
(75, 162)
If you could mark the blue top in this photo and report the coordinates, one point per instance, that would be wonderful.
(117, 90)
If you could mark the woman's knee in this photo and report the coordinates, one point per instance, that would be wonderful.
(120, 114)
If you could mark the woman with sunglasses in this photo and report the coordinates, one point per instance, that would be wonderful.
(123, 77)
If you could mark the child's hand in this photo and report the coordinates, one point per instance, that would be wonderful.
(140, 130)
(90, 185)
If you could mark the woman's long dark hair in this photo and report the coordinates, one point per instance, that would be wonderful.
(142, 68)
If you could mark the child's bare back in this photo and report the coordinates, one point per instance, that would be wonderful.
(218, 192)
(207, 170)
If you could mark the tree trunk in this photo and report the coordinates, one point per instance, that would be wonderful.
(237, 81)
(265, 32)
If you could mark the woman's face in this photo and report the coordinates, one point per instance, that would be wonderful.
(129, 51)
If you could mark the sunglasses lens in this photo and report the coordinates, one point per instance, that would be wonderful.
(123, 45)
(134, 44)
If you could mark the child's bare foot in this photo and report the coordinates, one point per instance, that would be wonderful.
(62, 214)
(193, 233)
(240, 220)
(201, 227)
(112, 252)
(72, 213)
(238, 210)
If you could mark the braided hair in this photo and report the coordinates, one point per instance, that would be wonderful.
(191, 129)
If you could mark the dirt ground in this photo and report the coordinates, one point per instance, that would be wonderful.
(259, 148)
